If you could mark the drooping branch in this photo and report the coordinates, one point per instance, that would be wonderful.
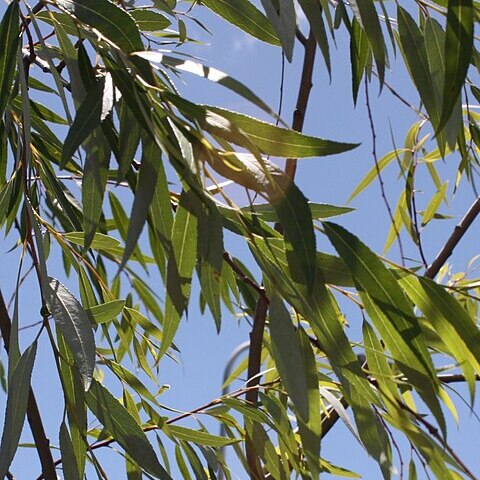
(42, 443)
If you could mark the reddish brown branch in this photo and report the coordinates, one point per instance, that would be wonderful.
(256, 336)
(42, 443)
(454, 239)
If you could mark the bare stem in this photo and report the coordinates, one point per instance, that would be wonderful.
(457, 234)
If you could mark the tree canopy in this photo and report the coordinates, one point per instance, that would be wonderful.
(89, 97)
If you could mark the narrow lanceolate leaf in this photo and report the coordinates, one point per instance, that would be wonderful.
(100, 241)
(294, 214)
(17, 400)
(320, 308)
(434, 204)
(210, 257)
(112, 22)
(69, 462)
(359, 50)
(368, 18)
(9, 39)
(179, 269)
(391, 313)
(144, 193)
(267, 138)
(313, 12)
(448, 318)
(279, 142)
(414, 52)
(245, 16)
(458, 52)
(94, 183)
(287, 353)
(199, 437)
(74, 323)
(266, 211)
(107, 311)
(282, 16)
(86, 121)
(123, 427)
(149, 21)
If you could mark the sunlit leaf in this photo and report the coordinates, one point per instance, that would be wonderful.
(246, 16)
(124, 429)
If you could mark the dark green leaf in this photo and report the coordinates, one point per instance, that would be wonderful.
(86, 121)
(287, 353)
(124, 429)
(150, 21)
(359, 51)
(9, 40)
(69, 462)
(368, 18)
(17, 399)
(110, 20)
(144, 193)
(179, 269)
(74, 323)
(282, 16)
(458, 53)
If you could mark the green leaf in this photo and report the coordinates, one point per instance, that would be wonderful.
(282, 16)
(266, 137)
(413, 49)
(124, 429)
(210, 257)
(391, 313)
(107, 311)
(447, 317)
(149, 21)
(276, 141)
(294, 214)
(16, 409)
(69, 461)
(9, 40)
(313, 12)
(266, 211)
(87, 119)
(100, 241)
(434, 204)
(199, 437)
(359, 52)
(368, 18)
(110, 20)
(94, 183)
(245, 16)
(458, 53)
(144, 193)
(74, 323)
(287, 353)
(179, 269)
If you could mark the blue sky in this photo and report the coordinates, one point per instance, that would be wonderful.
(331, 115)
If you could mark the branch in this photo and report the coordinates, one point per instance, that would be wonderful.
(42, 443)
(256, 336)
(457, 234)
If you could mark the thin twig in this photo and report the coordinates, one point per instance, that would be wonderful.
(457, 234)
(379, 175)
(33, 414)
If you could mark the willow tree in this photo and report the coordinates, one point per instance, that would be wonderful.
(88, 96)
